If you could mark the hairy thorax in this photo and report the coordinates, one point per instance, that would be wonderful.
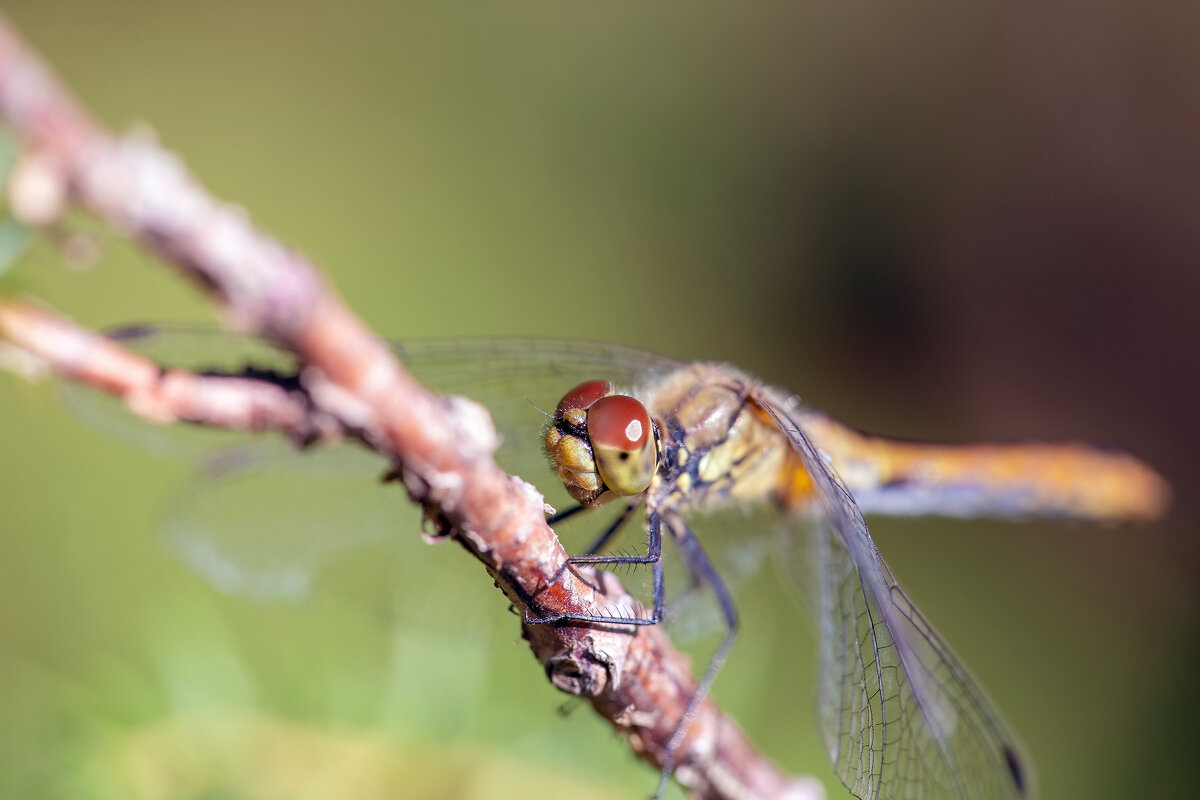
(723, 447)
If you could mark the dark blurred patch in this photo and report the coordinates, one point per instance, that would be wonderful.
(870, 293)
(1168, 719)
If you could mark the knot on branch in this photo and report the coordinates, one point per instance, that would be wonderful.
(582, 669)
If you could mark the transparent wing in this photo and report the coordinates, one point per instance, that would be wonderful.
(513, 377)
(739, 542)
(900, 716)
(263, 519)
(520, 382)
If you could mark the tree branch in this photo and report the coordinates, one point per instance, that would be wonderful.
(350, 385)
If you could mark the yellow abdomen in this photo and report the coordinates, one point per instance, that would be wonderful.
(1006, 480)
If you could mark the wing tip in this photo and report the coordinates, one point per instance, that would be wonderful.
(1016, 770)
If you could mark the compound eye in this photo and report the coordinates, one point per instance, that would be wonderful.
(582, 397)
(618, 421)
(622, 438)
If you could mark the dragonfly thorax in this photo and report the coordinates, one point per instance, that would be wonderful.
(602, 444)
(720, 447)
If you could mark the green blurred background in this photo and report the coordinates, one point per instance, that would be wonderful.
(933, 219)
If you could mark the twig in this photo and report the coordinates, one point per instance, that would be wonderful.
(175, 395)
(350, 384)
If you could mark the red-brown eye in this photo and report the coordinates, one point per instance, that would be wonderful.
(618, 421)
(622, 439)
(582, 396)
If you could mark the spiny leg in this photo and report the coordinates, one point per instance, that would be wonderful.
(604, 537)
(653, 556)
(702, 569)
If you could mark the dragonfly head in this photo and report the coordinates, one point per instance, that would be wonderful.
(602, 444)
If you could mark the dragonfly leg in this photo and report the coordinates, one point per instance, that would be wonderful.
(702, 570)
(605, 536)
(653, 557)
(682, 599)
(564, 515)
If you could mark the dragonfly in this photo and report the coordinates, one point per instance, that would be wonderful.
(899, 715)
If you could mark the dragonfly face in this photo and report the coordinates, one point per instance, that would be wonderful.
(602, 444)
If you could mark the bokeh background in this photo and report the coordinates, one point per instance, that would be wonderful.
(934, 219)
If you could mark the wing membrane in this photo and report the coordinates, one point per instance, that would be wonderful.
(900, 716)
(262, 519)
(512, 377)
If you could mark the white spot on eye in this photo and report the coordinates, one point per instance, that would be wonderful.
(633, 431)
